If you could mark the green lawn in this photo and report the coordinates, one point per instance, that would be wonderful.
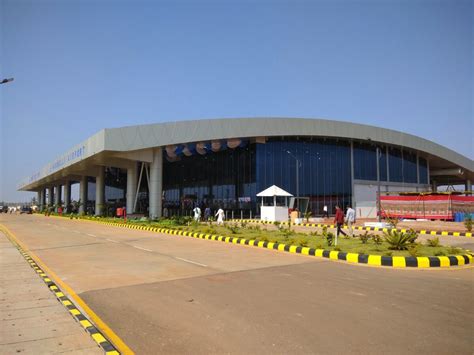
(286, 236)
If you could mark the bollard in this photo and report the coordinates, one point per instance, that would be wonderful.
(232, 214)
(226, 215)
(241, 214)
(250, 214)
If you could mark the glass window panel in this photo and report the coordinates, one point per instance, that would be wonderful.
(409, 167)
(395, 165)
(365, 161)
(423, 168)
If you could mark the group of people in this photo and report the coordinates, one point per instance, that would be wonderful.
(208, 213)
(349, 218)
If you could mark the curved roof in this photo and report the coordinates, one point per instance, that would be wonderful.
(135, 138)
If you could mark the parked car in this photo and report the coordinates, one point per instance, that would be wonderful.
(3, 209)
(26, 209)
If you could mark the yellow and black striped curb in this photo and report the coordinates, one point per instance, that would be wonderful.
(101, 341)
(374, 260)
(360, 228)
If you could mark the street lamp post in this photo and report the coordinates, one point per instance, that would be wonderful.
(377, 153)
(4, 81)
(297, 177)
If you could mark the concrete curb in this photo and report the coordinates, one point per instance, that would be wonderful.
(360, 228)
(96, 335)
(374, 260)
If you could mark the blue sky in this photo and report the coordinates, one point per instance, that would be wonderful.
(81, 65)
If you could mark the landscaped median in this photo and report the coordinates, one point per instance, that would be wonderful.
(367, 249)
(361, 228)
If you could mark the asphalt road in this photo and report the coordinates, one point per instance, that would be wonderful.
(171, 294)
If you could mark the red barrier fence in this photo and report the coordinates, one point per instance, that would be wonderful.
(428, 206)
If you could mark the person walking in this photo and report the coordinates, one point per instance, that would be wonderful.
(350, 219)
(220, 216)
(339, 221)
(207, 214)
(325, 211)
(197, 213)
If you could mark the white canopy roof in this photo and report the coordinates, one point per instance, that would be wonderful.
(273, 191)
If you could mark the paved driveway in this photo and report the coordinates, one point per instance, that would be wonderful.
(174, 294)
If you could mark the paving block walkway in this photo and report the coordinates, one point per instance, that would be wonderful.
(32, 321)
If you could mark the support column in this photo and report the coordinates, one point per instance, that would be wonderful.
(67, 196)
(50, 196)
(156, 184)
(468, 186)
(83, 195)
(57, 197)
(100, 192)
(434, 186)
(39, 200)
(43, 199)
(131, 188)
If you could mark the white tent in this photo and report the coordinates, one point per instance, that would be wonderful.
(273, 191)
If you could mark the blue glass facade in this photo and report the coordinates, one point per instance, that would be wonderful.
(231, 178)
(324, 172)
(423, 170)
(365, 162)
(225, 178)
(403, 166)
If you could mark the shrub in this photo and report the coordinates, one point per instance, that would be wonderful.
(433, 242)
(399, 240)
(301, 241)
(233, 228)
(440, 253)
(325, 231)
(330, 238)
(393, 221)
(377, 239)
(307, 216)
(365, 237)
(287, 232)
(209, 230)
(453, 250)
(414, 249)
(337, 248)
(388, 253)
(468, 223)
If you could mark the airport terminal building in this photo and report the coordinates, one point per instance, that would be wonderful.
(224, 163)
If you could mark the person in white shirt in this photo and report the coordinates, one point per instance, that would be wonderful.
(197, 213)
(220, 216)
(325, 211)
(350, 219)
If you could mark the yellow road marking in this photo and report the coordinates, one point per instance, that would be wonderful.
(101, 325)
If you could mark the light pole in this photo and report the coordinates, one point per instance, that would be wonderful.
(297, 178)
(4, 81)
(378, 154)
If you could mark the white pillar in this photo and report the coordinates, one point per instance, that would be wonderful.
(67, 196)
(156, 184)
(100, 191)
(83, 194)
(57, 197)
(131, 188)
(50, 195)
